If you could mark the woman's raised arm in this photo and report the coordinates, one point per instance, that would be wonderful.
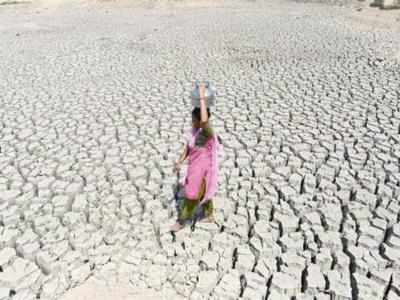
(203, 107)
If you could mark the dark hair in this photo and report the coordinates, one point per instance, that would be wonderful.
(196, 113)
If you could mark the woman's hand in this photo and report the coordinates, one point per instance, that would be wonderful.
(178, 162)
(177, 166)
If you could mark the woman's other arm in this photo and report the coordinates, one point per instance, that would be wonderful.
(182, 158)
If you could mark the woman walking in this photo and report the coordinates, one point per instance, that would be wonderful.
(200, 183)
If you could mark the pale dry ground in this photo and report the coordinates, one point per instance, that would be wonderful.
(96, 290)
(369, 17)
(245, 51)
(372, 17)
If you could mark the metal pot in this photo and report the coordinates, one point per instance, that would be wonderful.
(209, 94)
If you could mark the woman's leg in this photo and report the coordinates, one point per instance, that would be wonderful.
(208, 208)
(188, 208)
(190, 204)
(209, 212)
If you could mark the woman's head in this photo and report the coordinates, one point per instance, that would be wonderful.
(196, 116)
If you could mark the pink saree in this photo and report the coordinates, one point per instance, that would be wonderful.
(203, 163)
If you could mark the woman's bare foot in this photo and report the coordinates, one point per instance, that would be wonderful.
(209, 219)
(176, 227)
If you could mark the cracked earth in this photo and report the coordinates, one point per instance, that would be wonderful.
(94, 105)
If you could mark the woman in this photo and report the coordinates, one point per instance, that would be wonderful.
(200, 183)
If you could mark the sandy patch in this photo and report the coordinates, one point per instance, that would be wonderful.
(162, 3)
(364, 16)
(94, 289)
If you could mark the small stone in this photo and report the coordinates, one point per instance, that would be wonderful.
(315, 278)
(210, 260)
(7, 254)
(45, 261)
(9, 195)
(207, 281)
(229, 286)
(54, 286)
(24, 294)
(286, 284)
(4, 293)
(28, 250)
(245, 259)
(80, 274)
(156, 276)
(21, 274)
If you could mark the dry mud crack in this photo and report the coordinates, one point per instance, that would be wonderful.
(93, 110)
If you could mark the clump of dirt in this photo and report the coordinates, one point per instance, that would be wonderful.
(13, 2)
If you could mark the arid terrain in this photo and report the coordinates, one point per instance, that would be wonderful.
(94, 107)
